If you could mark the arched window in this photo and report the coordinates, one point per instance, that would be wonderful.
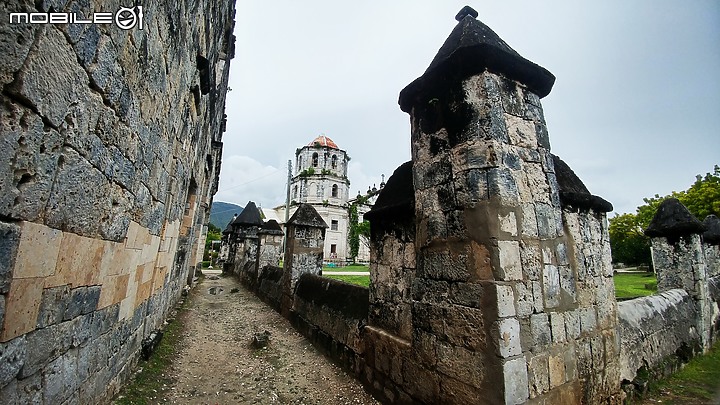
(334, 190)
(315, 159)
(334, 162)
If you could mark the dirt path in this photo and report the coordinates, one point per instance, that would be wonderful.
(217, 365)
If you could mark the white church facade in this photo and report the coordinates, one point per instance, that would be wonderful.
(320, 179)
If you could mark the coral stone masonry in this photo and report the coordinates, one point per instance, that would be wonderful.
(110, 143)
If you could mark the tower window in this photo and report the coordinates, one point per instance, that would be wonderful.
(334, 225)
(315, 160)
(334, 190)
(334, 162)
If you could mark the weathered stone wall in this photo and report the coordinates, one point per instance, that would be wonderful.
(270, 250)
(590, 326)
(112, 144)
(269, 287)
(335, 312)
(656, 333)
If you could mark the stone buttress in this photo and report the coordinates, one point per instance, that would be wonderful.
(498, 307)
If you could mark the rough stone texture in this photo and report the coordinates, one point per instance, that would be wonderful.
(673, 220)
(712, 233)
(271, 238)
(646, 339)
(113, 162)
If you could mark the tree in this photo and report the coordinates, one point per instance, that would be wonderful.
(628, 242)
(357, 229)
(214, 233)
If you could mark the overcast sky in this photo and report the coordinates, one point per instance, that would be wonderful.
(635, 110)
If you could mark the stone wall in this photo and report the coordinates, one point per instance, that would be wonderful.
(113, 140)
(657, 334)
(660, 333)
(332, 315)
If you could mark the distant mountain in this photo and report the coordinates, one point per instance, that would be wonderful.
(221, 213)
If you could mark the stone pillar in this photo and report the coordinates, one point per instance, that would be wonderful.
(304, 254)
(711, 249)
(679, 261)
(495, 293)
(392, 259)
(271, 236)
(245, 232)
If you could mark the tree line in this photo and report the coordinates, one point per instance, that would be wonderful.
(627, 238)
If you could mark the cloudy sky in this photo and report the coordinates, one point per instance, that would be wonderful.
(635, 109)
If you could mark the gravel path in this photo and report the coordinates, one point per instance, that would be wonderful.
(217, 365)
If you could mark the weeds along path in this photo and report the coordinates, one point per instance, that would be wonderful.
(216, 365)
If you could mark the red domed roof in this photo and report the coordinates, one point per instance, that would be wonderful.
(323, 140)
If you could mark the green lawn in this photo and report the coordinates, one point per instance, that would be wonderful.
(354, 267)
(633, 285)
(359, 280)
(697, 382)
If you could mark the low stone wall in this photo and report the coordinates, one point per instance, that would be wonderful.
(270, 286)
(332, 315)
(657, 334)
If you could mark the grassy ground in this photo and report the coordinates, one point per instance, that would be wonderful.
(697, 383)
(633, 285)
(359, 280)
(354, 267)
(148, 385)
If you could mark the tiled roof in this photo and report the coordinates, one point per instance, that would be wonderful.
(323, 140)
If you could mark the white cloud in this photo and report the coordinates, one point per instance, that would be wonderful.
(244, 179)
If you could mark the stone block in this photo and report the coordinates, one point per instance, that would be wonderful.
(505, 300)
(508, 223)
(53, 305)
(540, 329)
(9, 241)
(503, 185)
(475, 155)
(83, 300)
(509, 337)
(462, 364)
(557, 327)
(528, 222)
(59, 378)
(551, 286)
(29, 390)
(546, 221)
(572, 324)
(538, 375)
(531, 260)
(22, 305)
(37, 251)
(556, 364)
(46, 344)
(12, 358)
(421, 383)
(588, 320)
(113, 290)
(468, 294)
(509, 260)
(516, 381)
(80, 196)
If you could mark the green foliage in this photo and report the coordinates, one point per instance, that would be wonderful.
(307, 172)
(357, 229)
(629, 245)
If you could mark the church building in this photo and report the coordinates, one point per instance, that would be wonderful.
(320, 179)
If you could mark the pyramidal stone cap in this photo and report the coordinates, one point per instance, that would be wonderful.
(306, 215)
(672, 219)
(712, 234)
(250, 215)
(472, 48)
